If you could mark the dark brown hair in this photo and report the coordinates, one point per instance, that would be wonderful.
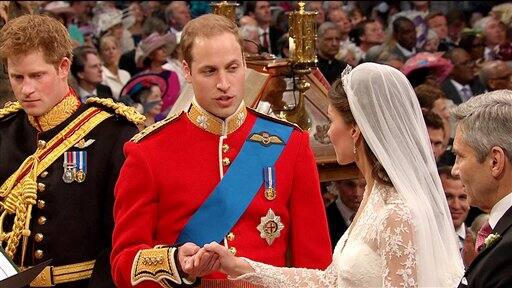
(432, 120)
(427, 95)
(338, 99)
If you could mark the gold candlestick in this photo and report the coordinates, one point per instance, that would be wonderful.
(226, 9)
(302, 58)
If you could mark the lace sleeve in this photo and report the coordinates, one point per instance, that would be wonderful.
(397, 248)
(278, 277)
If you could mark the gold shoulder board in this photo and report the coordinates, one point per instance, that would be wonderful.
(9, 109)
(119, 108)
(151, 129)
(274, 119)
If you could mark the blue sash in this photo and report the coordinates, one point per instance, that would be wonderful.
(228, 201)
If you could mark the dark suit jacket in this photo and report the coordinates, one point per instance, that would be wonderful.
(103, 91)
(492, 267)
(273, 35)
(336, 223)
(452, 93)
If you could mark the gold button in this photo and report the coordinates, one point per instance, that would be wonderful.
(40, 204)
(232, 250)
(39, 254)
(41, 220)
(225, 148)
(41, 187)
(38, 237)
(231, 236)
(41, 144)
(44, 174)
(226, 161)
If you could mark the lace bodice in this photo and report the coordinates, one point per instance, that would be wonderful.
(379, 251)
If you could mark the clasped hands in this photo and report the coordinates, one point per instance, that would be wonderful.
(198, 261)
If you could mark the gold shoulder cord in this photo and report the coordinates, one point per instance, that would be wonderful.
(10, 108)
(119, 108)
(17, 197)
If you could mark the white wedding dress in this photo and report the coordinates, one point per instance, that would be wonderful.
(401, 236)
(379, 252)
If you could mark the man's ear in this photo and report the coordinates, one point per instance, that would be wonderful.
(497, 161)
(64, 67)
(187, 71)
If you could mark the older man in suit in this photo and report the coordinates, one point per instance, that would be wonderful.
(484, 164)
(462, 83)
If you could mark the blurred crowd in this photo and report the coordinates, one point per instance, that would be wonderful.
(449, 51)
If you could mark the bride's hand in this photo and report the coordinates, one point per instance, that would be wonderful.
(229, 264)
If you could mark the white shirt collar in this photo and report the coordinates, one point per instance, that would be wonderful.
(459, 86)
(461, 231)
(107, 73)
(84, 94)
(407, 53)
(499, 210)
(346, 212)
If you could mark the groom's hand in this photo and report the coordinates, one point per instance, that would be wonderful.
(197, 262)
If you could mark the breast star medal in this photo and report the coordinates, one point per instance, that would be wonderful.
(270, 227)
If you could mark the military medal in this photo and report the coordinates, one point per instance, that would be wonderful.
(270, 227)
(270, 180)
(75, 166)
(69, 168)
(81, 165)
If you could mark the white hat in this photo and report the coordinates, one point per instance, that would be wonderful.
(108, 20)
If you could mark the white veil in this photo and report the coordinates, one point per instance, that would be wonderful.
(388, 114)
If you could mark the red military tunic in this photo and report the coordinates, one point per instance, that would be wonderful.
(169, 174)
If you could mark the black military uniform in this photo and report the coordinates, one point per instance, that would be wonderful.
(71, 220)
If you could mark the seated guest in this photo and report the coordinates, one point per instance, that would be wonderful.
(328, 44)
(496, 75)
(144, 92)
(462, 83)
(86, 69)
(113, 77)
(435, 129)
(341, 212)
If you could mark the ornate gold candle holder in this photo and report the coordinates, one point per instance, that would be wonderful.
(302, 39)
(226, 9)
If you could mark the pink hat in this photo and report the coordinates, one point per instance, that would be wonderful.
(155, 41)
(442, 66)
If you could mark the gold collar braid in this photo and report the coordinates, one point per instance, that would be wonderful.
(58, 114)
(213, 124)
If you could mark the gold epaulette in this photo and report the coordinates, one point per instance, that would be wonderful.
(151, 129)
(9, 109)
(119, 108)
(275, 119)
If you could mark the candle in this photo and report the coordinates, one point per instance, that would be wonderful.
(291, 47)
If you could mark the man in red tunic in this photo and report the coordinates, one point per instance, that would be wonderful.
(217, 172)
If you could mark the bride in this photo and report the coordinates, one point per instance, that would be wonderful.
(402, 234)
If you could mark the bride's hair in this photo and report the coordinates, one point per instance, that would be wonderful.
(338, 99)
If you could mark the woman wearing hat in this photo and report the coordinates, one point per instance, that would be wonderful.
(144, 92)
(111, 23)
(154, 51)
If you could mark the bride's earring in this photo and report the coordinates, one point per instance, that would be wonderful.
(355, 152)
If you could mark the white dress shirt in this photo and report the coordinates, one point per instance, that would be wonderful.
(84, 94)
(459, 88)
(116, 83)
(499, 210)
